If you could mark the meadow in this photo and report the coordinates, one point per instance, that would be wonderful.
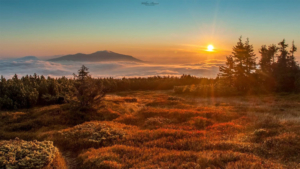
(161, 129)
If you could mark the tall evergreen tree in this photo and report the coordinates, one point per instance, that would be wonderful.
(227, 71)
(266, 59)
(250, 59)
(88, 91)
(272, 50)
(292, 62)
(286, 70)
(83, 73)
(244, 61)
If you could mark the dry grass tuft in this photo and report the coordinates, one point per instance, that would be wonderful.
(91, 134)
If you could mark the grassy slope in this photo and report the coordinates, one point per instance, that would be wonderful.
(234, 132)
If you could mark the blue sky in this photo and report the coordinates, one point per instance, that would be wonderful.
(172, 29)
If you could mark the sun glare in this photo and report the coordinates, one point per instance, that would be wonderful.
(210, 48)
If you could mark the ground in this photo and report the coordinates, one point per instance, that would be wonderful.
(157, 129)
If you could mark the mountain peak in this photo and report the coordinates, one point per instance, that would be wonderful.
(28, 58)
(106, 51)
(99, 56)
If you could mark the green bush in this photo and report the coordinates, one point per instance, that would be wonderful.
(15, 154)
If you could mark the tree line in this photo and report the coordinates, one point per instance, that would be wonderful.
(276, 70)
(32, 90)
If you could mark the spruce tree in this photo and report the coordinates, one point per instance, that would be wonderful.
(88, 91)
(244, 64)
(227, 72)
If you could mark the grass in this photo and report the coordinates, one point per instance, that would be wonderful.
(157, 129)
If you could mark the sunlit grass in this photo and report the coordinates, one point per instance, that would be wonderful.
(155, 129)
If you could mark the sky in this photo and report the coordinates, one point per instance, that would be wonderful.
(174, 31)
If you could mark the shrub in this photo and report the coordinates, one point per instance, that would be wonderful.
(268, 122)
(285, 146)
(155, 122)
(11, 116)
(225, 127)
(174, 98)
(17, 153)
(184, 115)
(130, 100)
(92, 134)
(141, 137)
(201, 123)
(128, 119)
(109, 114)
(260, 134)
(177, 115)
(48, 99)
(119, 156)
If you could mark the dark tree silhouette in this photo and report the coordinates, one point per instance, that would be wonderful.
(227, 72)
(281, 75)
(240, 66)
(88, 92)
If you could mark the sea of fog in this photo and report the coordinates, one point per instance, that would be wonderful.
(27, 66)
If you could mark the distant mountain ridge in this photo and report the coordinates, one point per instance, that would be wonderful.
(96, 57)
(25, 58)
(28, 58)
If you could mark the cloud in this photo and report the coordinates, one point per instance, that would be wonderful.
(107, 69)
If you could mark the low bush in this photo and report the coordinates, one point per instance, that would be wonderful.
(17, 154)
(128, 119)
(260, 135)
(130, 100)
(141, 137)
(202, 123)
(91, 134)
(268, 122)
(109, 114)
(225, 127)
(122, 157)
(285, 146)
(155, 122)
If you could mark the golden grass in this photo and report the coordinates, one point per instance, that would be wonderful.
(156, 129)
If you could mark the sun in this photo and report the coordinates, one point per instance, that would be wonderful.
(210, 48)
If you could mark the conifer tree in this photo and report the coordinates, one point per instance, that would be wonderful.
(244, 64)
(227, 72)
(272, 50)
(88, 91)
(266, 59)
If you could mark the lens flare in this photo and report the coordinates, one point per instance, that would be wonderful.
(210, 48)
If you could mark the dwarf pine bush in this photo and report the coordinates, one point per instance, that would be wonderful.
(16, 154)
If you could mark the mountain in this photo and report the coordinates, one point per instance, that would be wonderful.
(96, 57)
(28, 58)
(20, 59)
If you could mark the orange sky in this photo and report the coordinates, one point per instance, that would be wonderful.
(169, 32)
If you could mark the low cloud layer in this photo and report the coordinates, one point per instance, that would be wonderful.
(8, 68)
